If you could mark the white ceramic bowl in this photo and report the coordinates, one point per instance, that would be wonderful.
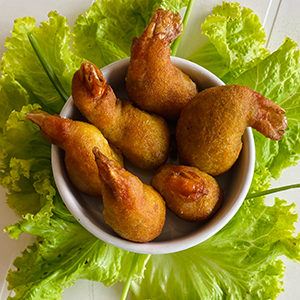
(177, 234)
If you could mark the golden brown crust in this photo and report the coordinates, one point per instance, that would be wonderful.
(191, 194)
(77, 139)
(134, 210)
(210, 128)
(144, 139)
(153, 83)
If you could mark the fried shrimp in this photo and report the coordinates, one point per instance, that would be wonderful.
(134, 210)
(153, 83)
(143, 138)
(210, 128)
(78, 140)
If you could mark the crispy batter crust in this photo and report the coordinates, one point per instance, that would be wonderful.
(134, 210)
(153, 83)
(143, 138)
(78, 140)
(210, 128)
(191, 194)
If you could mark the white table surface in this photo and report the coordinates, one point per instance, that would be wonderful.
(280, 18)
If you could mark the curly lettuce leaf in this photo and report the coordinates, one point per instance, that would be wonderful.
(26, 171)
(25, 155)
(277, 77)
(239, 262)
(65, 252)
(24, 161)
(13, 97)
(104, 35)
(236, 41)
(21, 62)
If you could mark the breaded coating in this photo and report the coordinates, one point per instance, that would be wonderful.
(135, 211)
(153, 83)
(210, 128)
(143, 138)
(78, 140)
(189, 193)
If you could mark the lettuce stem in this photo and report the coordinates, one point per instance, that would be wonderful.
(129, 277)
(186, 17)
(47, 67)
(272, 191)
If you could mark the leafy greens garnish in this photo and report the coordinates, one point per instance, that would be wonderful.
(239, 262)
(104, 35)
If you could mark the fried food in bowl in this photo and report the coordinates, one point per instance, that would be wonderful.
(177, 234)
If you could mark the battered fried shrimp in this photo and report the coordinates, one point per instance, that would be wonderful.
(134, 210)
(210, 128)
(78, 140)
(143, 138)
(153, 83)
(189, 193)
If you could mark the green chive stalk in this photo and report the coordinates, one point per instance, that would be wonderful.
(186, 17)
(130, 276)
(47, 67)
(271, 191)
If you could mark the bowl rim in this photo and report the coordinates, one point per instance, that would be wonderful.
(157, 247)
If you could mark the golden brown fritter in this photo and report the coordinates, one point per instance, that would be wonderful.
(189, 193)
(210, 128)
(134, 210)
(153, 83)
(144, 139)
(78, 140)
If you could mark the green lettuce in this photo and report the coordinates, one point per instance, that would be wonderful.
(277, 77)
(25, 155)
(26, 170)
(236, 41)
(240, 261)
(21, 62)
(104, 35)
(65, 252)
(13, 97)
